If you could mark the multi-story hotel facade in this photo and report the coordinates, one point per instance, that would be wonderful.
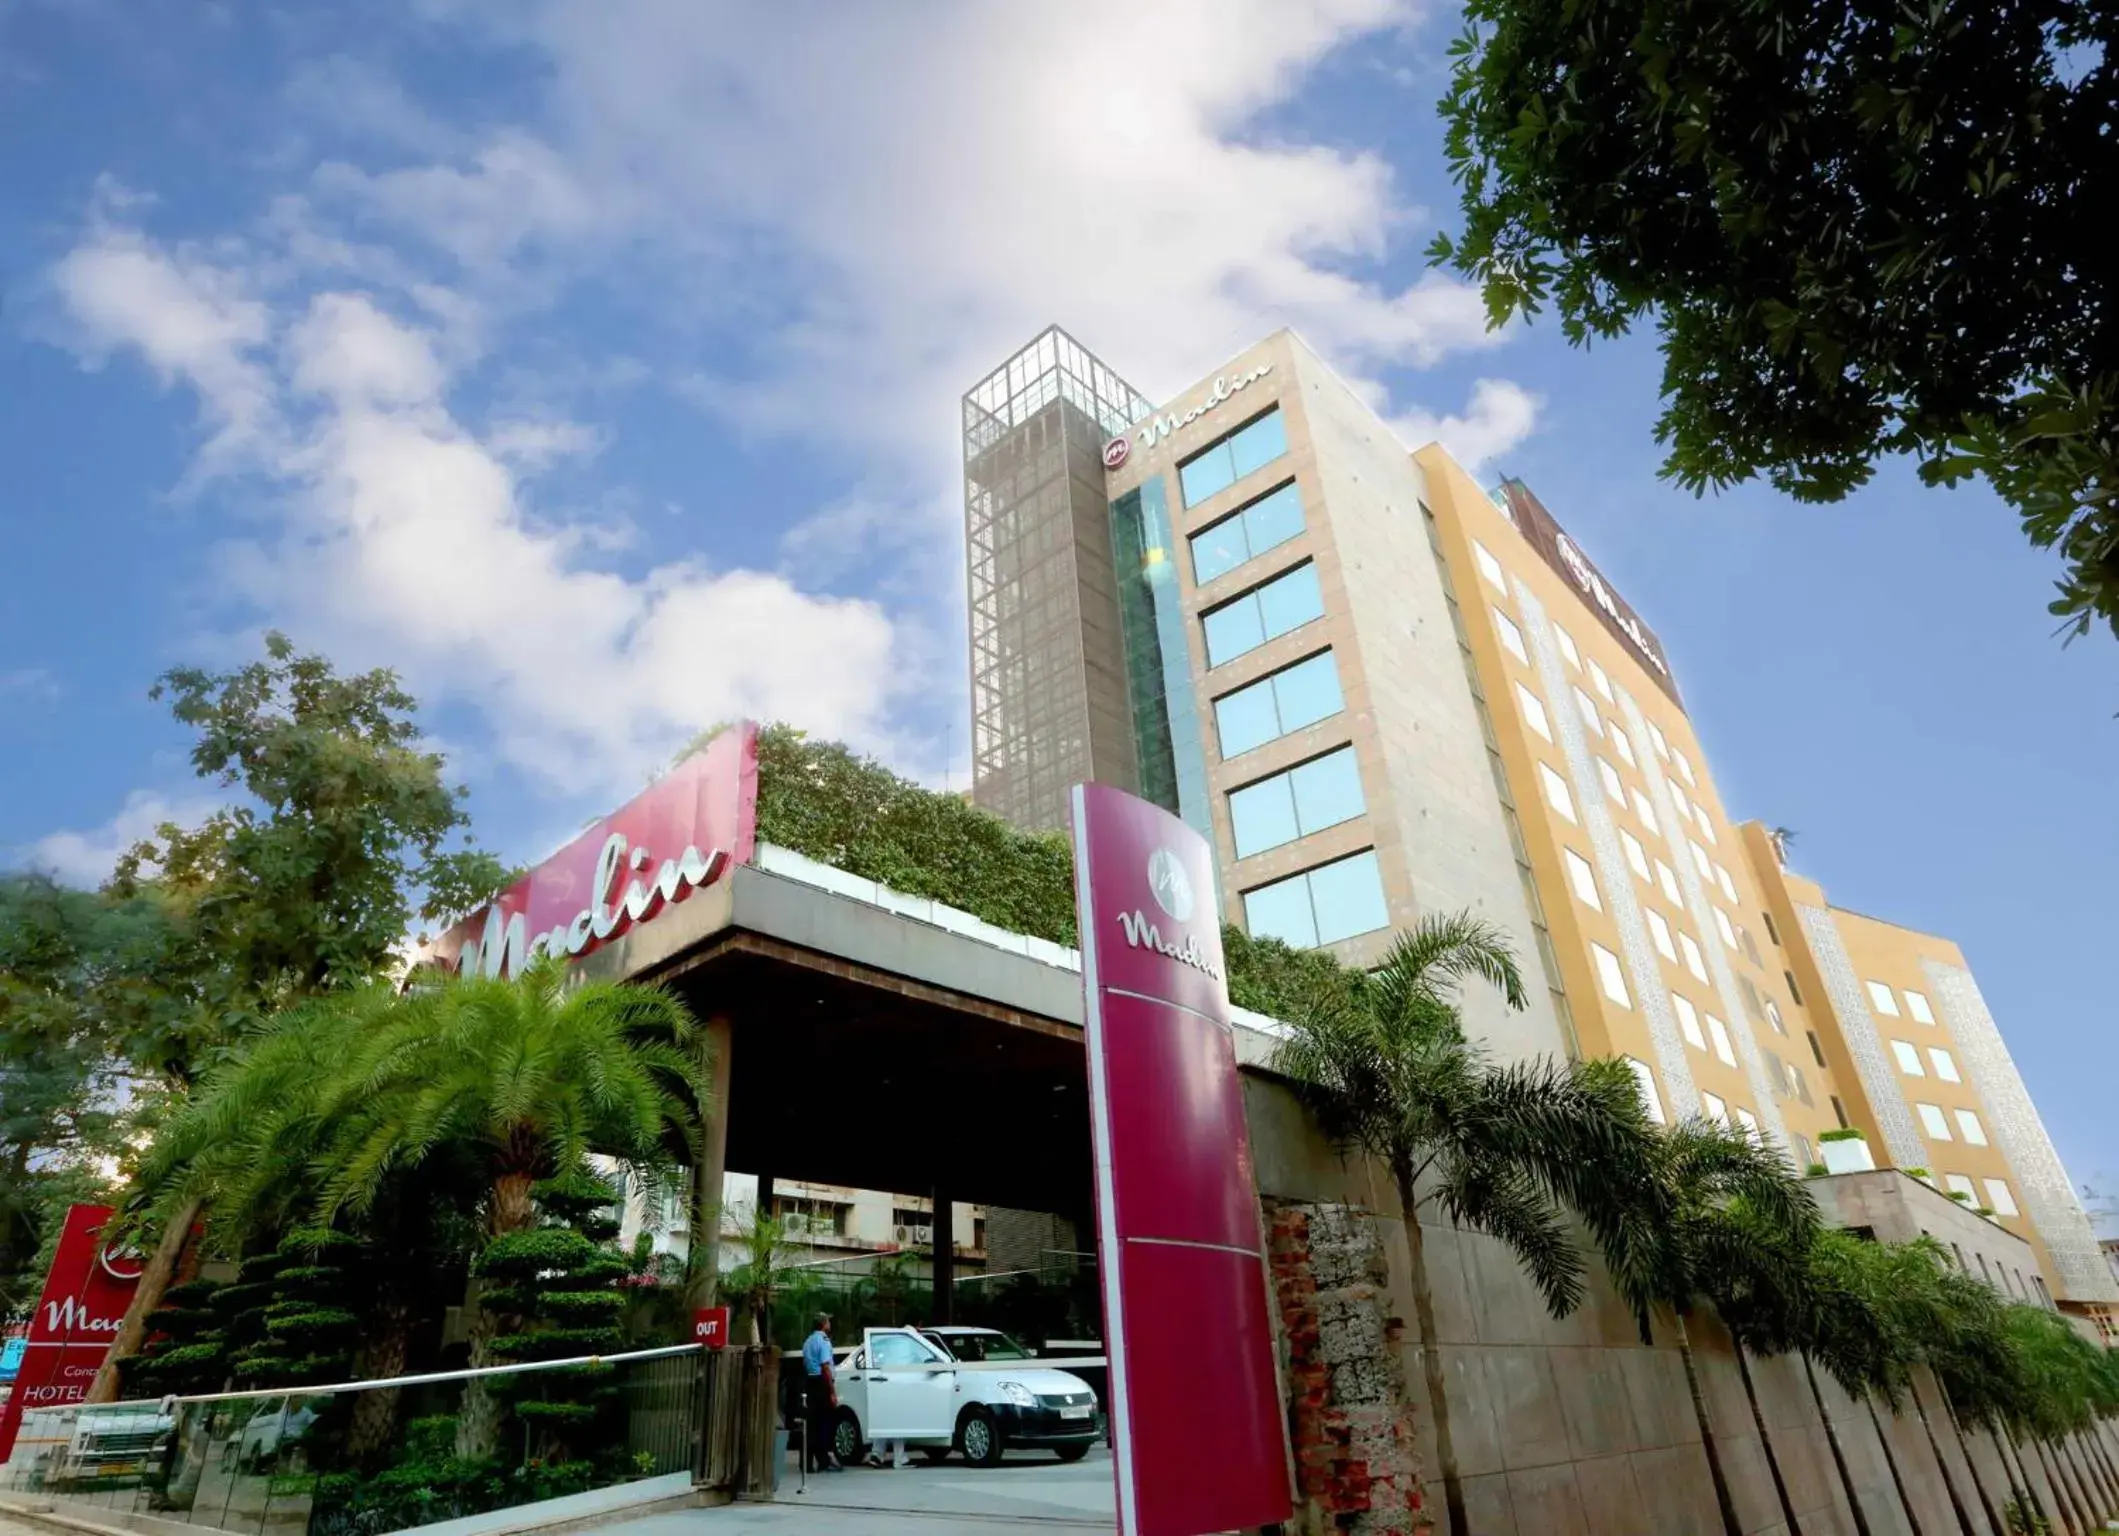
(1381, 690)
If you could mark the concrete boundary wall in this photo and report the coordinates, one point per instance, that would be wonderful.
(1574, 1427)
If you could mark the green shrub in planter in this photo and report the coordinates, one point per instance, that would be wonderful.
(1844, 1133)
(1816, 1171)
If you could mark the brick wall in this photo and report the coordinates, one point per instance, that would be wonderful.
(1349, 1415)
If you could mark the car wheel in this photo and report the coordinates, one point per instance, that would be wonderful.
(1072, 1452)
(935, 1454)
(980, 1437)
(846, 1441)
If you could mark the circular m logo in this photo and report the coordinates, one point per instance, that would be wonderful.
(1115, 452)
(1169, 884)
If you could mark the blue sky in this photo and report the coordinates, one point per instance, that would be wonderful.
(597, 368)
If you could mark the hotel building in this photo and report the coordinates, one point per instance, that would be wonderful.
(1381, 690)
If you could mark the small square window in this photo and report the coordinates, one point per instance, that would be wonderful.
(1944, 1063)
(1908, 1059)
(1682, 805)
(1684, 766)
(1917, 1005)
(1645, 811)
(1610, 975)
(1644, 1078)
(1511, 637)
(1636, 857)
(1748, 1123)
(1533, 711)
(1624, 748)
(1693, 960)
(1999, 1200)
(1688, 1021)
(1601, 681)
(1614, 789)
(1721, 878)
(1882, 999)
(1973, 1131)
(1700, 861)
(1587, 708)
(1713, 1108)
(1662, 746)
(1582, 878)
(1961, 1184)
(1706, 826)
(1667, 878)
(1556, 794)
(1725, 928)
(1718, 1032)
(1660, 932)
(1489, 567)
(1932, 1121)
(1567, 646)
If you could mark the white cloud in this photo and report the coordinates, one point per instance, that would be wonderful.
(1500, 416)
(405, 536)
(86, 858)
(30, 683)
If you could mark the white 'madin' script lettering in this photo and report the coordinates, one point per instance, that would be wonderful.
(505, 947)
(66, 1317)
(1141, 933)
(1155, 428)
(1593, 584)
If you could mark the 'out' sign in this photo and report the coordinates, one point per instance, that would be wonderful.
(710, 1327)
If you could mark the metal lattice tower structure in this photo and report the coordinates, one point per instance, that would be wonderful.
(1049, 704)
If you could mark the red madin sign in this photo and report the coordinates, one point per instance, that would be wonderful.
(84, 1300)
(1199, 1431)
(686, 830)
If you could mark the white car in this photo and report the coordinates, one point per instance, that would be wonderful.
(944, 1389)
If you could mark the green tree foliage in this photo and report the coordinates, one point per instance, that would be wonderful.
(1386, 1067)
(1860, 231)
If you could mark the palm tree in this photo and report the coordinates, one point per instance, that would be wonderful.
(1727, 1222)
(525, 1079)
(1384, 1064)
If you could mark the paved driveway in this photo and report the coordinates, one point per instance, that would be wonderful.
(1028, 1491)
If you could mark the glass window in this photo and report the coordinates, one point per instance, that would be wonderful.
(1773, 1017)
(1961, 1184)
(1917, 1005)
(1974, 1132)
(1706, 824)
(1613, 787)
(1489, 567)
(1713, 1108)
(1944, 1063)
(1680, 803)
(1748, 1122)
(1724, 927)
(1882, 1000)
(1693, 961)
(1602, 681)
(1667, 878)
(1511, 637)
(1610, 975)
(1556, 792)
(1660, 932)
(1308, 798)
(1718, 1032)
(1662, 747)
(1272, 520)
(1644, 1078)
(1567, 646)
(1684, 766)
(1286, 602)
(1721, 878)
(1582, 878)
(1624, 748)
(1645, 811)
(1320, 906)
(1278, 703)
(1587, 708)
(1908, 1059)
(1688, 1021)
(1220, 465)
(1700, 860)
(1636, 856)
(1999, 1200)
(1533, 712)
(1932, 1121)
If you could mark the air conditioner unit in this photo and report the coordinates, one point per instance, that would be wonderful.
(913, 1237)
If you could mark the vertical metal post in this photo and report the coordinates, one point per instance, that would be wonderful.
(944, 1264)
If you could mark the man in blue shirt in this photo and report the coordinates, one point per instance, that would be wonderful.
(820, 1395)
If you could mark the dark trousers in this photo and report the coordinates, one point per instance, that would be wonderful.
(820, 1413)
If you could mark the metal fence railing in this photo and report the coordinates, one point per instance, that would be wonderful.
(363, 1458)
